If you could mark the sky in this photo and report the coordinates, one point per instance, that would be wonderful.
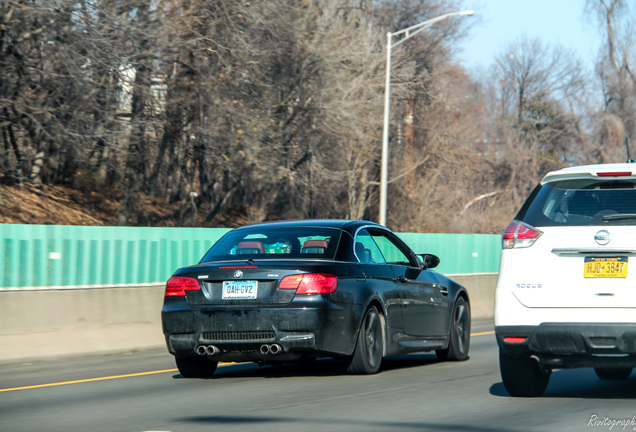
(501, 22)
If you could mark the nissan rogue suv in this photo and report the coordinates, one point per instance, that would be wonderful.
(566, 291)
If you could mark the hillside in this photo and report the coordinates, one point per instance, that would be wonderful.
(62, 205)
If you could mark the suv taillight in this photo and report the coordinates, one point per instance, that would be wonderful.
(614, 174)
(312, 283)
(178, 285)
(519, 235)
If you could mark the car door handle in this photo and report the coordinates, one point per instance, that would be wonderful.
(402, 278)
(444, 291)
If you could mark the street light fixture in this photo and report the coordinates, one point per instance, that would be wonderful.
(408, 33)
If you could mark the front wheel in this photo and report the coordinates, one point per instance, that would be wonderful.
(613, 373)
(196, 367)
(459, 337)
(523, 376)
(367, 355)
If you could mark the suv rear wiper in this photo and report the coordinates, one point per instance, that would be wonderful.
(619, 216)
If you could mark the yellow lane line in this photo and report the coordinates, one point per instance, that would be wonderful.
(135, 374)
(88, 380)
(483, 333)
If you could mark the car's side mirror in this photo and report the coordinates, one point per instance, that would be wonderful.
(428, 260)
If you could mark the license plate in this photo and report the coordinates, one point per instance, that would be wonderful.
(605, 267)
(239, 290)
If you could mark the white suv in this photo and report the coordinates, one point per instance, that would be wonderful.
(566, 292)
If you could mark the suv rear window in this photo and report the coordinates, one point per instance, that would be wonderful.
(581, 202)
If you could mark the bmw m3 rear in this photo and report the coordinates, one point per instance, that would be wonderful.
(285, 291)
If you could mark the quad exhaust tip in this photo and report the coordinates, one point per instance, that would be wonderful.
(265, 349)
(207, 350)
(271, 349)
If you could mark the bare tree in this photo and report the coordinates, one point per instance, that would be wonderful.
(235, 110)
(537, 121)
(617, 121)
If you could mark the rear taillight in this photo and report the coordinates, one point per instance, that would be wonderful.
(311, 283)
(519, 235)
(178, 285)
(614, 174)
(515, 339)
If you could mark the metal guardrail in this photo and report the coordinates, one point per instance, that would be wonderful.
(67, 257)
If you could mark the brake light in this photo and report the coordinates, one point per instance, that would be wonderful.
(238, 267)
(519, 235)
(178, 285)
(311, 283)
(614, 174)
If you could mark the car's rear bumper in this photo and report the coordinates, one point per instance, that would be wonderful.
(248, 334)
(568, 345)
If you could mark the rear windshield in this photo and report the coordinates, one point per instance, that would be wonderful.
(276, 243)
(581, 202)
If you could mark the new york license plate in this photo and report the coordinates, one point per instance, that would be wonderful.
(605, 267)
(239, 290)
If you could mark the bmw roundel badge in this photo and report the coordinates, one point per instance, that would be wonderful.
(238, 274)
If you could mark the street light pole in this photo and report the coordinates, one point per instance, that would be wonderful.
(408, 33)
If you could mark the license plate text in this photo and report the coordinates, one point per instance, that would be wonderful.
(239, 290)
(605, 267)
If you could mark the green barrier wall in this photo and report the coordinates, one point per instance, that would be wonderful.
(459, 253)
(71, 256)
(65, 255)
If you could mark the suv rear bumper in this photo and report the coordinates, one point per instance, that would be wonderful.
(569, 345)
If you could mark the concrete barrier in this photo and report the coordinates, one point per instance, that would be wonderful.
(65, 322)
(37, 324)
(481, 291)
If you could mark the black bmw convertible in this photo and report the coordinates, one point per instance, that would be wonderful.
(289, 291)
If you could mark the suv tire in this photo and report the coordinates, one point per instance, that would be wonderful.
(523, 376)
(613, 373)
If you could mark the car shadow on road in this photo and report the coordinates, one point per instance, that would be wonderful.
(317, 368)
(580, 384)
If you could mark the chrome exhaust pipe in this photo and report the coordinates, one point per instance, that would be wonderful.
(211, 350)
(275, 349)
(265, 349)
(201, 349)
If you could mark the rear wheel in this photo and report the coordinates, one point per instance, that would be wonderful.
(196, 367)
(523, 376)
(459, 337)
(367, 356)
(613, 373)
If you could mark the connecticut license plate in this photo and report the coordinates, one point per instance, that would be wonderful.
(605, 267)
(244, 289)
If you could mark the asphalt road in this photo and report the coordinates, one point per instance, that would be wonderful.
(143, 392)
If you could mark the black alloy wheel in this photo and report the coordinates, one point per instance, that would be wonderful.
(367, 356)
(459, 337)
(196, 367)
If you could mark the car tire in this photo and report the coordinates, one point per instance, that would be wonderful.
(523, 376)
(613, 373)
(196, 367)
(459, 336)
(369, 350)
